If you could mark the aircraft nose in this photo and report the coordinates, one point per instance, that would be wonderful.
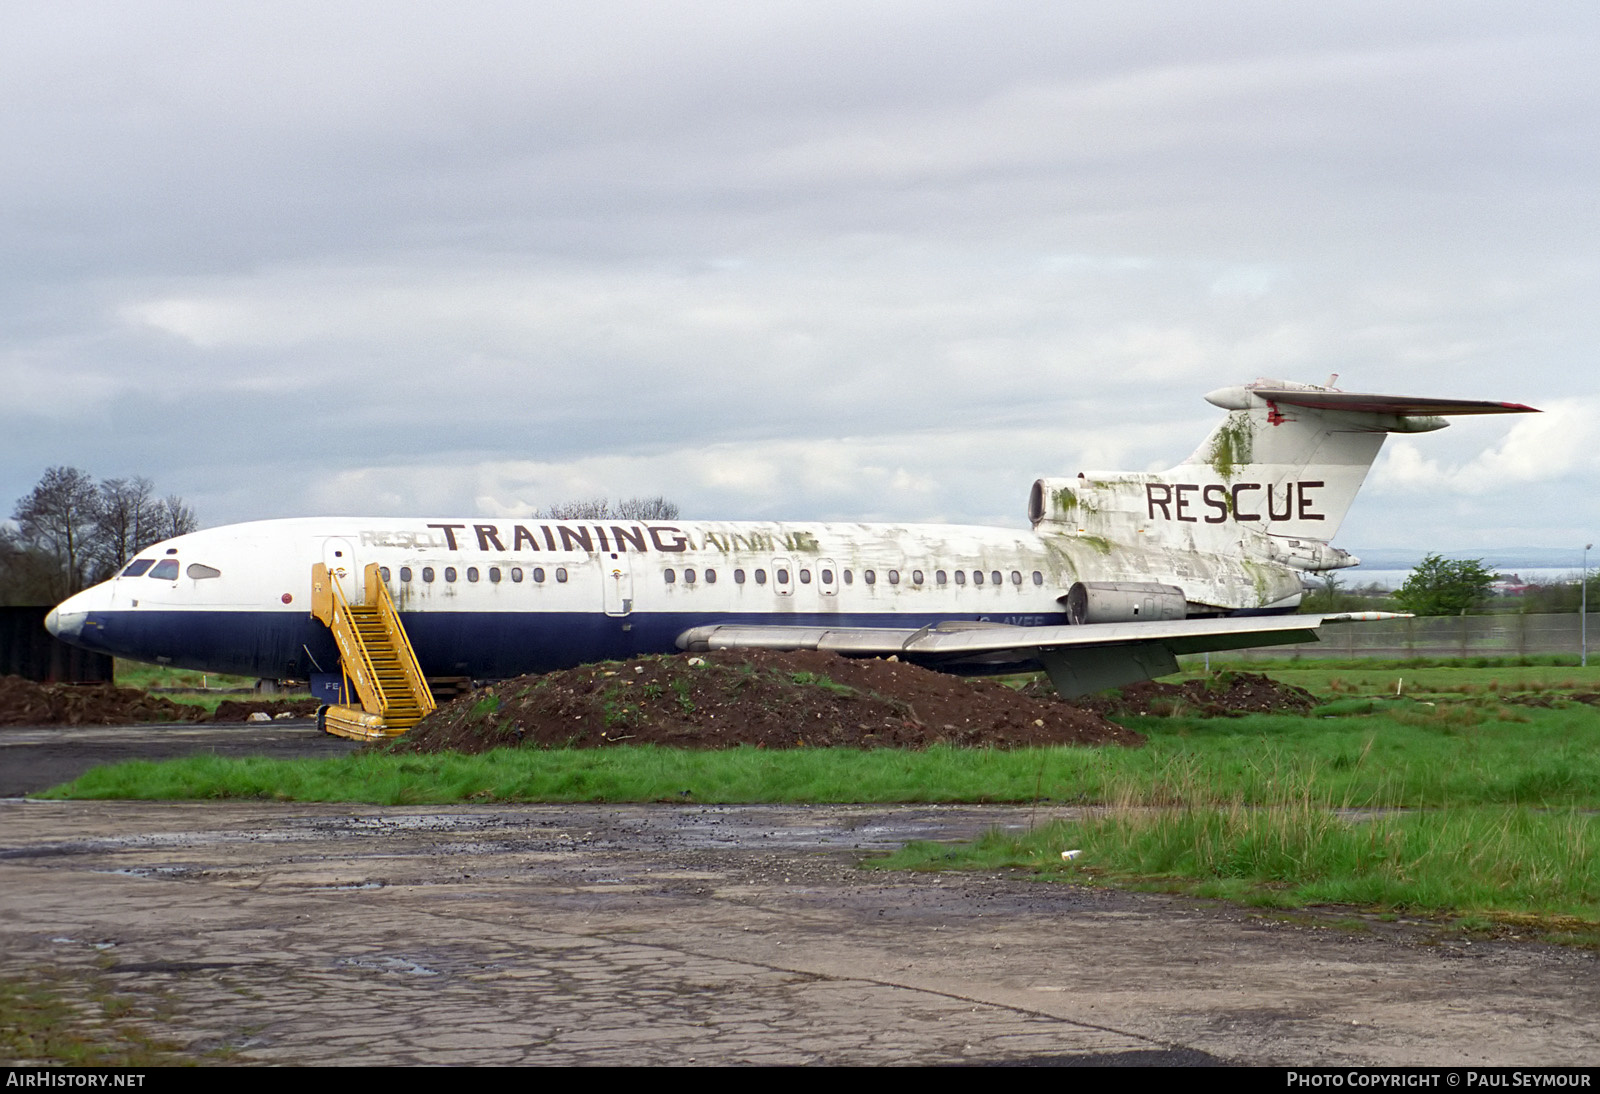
(65, 621)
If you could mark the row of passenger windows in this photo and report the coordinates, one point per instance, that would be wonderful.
(690, 576)
(473, 574)
(940, 577)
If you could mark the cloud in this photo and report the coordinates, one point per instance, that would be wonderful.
(1547, 448)
(782, 259)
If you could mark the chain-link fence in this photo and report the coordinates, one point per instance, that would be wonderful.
(1510, 635)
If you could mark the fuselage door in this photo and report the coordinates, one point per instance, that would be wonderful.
(782, 577)
(340, 558)
(616, 571)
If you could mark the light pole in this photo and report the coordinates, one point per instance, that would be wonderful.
(1583, 612)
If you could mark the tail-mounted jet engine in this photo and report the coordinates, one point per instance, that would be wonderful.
(1124, 602)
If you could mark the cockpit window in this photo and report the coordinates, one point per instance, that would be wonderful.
(138, 566)
(166, 570)
(200, 571)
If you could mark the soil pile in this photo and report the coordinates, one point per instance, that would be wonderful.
(1550, 700)
(26, 703)
(1220, 695)
(234, 710)
(755, 697)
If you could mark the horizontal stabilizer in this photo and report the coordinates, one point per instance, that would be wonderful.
(1357, 402)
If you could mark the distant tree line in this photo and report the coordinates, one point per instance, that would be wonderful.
(656, 508)
(1560, 596)
(71, 531)
(1330, 594)
(1440, 586)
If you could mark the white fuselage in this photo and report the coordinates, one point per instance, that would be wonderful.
(494, 597)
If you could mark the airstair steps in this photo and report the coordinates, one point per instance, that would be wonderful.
(375, 656)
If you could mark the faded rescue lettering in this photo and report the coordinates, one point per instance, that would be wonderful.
(1243, 501)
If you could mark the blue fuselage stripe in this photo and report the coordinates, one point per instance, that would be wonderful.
(484, 645)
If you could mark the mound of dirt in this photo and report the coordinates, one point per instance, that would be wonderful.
(1220, 695)
(755, 697)
(1550, 700)
(26, 703)
(235, 710)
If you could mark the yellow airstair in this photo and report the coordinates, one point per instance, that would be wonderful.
(375, 656)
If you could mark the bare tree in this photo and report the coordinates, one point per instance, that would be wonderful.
(129, 518)
(592, 509)
(70, 531)
(27, 575)
(58, 519)
(176, 518)
(656, 508)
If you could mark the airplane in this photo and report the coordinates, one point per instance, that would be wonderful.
(1118, 574)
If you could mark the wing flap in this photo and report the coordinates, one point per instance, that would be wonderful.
(1079, 659)
(960, 642)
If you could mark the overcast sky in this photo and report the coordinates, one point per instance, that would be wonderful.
(809, 260)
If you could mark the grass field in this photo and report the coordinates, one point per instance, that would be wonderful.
(204, 690)
(1356, 753)
(1446, 798)
(136, 674)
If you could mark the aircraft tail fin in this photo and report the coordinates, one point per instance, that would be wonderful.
(1287, 461)
(1293, 456)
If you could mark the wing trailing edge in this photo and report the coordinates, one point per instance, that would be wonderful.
(1079, 659)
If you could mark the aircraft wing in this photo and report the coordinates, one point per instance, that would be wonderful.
(1079, 659)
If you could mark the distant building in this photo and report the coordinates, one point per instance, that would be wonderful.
(1509, 585)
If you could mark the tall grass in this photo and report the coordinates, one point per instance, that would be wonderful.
(1298, 845)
